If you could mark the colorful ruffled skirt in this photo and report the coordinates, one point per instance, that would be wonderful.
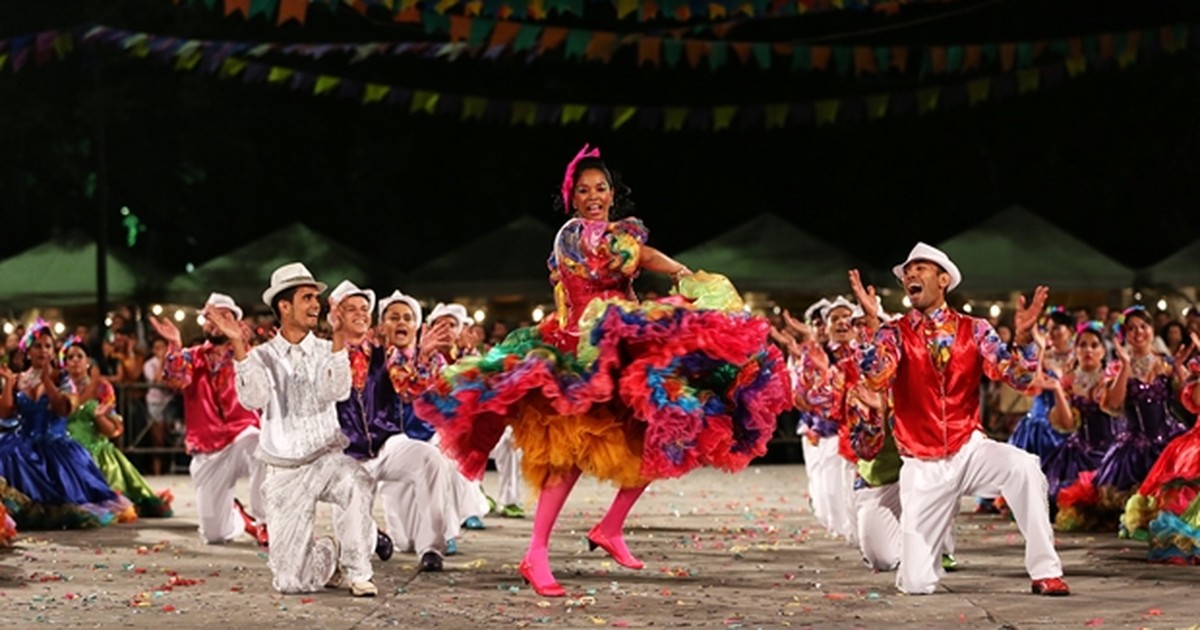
(1169, 486)
(123, 477)
(9, 501)
(1063, 466)
(1175, 538)
(1033, 433)
(653, 390)
(64, 487)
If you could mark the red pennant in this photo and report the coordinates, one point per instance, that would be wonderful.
(237, 6)
(292, 10)
(650, 51)
(864, 61)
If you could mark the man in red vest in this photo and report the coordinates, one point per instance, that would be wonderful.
(934, 359)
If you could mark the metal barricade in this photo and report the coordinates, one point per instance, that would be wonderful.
(136, 440)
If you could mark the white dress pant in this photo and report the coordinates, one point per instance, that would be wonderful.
(299, 563)
(878, 517)
(930, 491)
(831, 486)
(508, 469)
(215, 475)
(415, 518)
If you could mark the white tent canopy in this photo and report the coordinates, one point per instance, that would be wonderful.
(1015, 250)
(62, 272)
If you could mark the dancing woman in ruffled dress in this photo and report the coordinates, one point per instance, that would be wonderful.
(40, 459)
(1033, 433)
(93, 422)
(625, 391)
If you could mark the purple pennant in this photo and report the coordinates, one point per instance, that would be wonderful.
(902, 103)
(303, 82)
(320, 51)
(649, 117)
(494, 52)
(399, 97)
(750, 117)
(599, 115)
(801, 115)
(700, 119)
(164, 44)
(852, 110)
(548, 114)
(1053, 75)
(953, 95)
(1003, 86)
(255, 72)
(20, 51)
(497, 111)
(351, 89)
(43, 50)
(449, 105)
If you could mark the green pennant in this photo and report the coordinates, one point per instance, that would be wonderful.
(435, 22)
(1091, 47)
(1028, 80)
(776, 115)
(723, 116)
(480, 29)
(231, 67)
(527, 37)
(718, 55)
(573, 113)
(423, 101)
(883, 58)
(474, 107)
(1058, 46)
(623, 114)
(826, 111)
(1024, 54)
(674, 117)
(927, 99)
(519, 7)
(265, 8)
(762, 55)
(325, 84)
(577, 43)
(990, 53)
(209, 4)
(843, 58)
(375, 93)
(877, 106)
(1181, 36)
(954, 59)
(802, 58)
(672, 51)
(571, 6)
(553, 6)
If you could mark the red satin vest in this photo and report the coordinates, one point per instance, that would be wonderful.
(936, 411)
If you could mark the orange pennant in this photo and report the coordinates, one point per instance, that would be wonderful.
(650, 51)
(972, 56)
(1008, 56)
(900, 58)
(505, 33)
(696, 50)
(864, 61)
(1108, 46)
(460, 28)
(937, 59)
(411, 15)
(237, 6)
(742, 50)
(552, 37)
(820, 57)
(601, 46)
(292, 10)
(1075, 49)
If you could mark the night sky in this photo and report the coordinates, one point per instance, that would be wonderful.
(207, 164)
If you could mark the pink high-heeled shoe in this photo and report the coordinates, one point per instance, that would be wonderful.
(620, 553)
(540, 586)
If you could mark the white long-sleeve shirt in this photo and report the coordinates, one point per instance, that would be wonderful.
(296, 387)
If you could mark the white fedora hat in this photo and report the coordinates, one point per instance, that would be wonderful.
(457, 311)
(288, 276)
(345, 289)
(815, 309)
(220, 300)
(397, 296)
(934, 255)
(840, 302)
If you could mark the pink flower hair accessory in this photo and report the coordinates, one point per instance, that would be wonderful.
(569, 178)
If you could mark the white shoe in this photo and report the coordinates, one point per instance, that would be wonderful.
(363, 589)
(337, 580)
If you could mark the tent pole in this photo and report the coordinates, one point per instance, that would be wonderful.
(101, 201)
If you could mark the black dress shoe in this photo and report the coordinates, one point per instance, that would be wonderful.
(383, 546)
(431, 562)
